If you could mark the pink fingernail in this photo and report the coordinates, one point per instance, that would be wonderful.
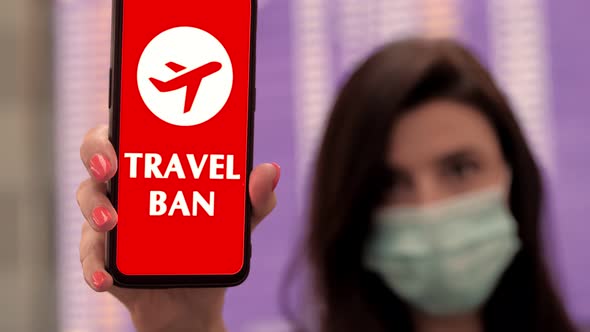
(101, 216)
(99, 166)
(98, 279)
(277, 176)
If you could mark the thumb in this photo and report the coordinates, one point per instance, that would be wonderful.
(263, 180)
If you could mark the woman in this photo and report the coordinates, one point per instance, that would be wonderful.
(424, 213)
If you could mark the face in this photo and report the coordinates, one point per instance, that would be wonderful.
(442, 149)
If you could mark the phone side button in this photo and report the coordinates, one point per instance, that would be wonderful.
(110, 125)
(110, 87)
(110, 102)
(249, 250)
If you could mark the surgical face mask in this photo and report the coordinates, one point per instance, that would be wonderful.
(446, 258)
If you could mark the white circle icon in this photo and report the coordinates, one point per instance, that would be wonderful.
(185, 76)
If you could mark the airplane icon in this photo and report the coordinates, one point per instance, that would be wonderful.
(191, 80)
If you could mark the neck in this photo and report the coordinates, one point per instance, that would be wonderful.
(469, 322)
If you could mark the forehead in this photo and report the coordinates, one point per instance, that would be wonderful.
(440, 127)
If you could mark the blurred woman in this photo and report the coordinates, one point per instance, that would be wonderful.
(427, 202)
(425, 209)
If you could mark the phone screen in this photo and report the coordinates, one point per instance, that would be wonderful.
(183, 137)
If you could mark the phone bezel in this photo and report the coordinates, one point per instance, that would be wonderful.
(172, 281)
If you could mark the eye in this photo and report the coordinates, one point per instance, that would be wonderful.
(460, 169)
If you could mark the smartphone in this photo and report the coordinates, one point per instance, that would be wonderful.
(181, 103)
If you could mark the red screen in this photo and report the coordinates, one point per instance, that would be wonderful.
(183, 137)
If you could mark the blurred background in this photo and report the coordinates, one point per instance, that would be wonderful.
(55, 58)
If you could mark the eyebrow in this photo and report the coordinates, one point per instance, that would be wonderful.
(462, 153)
(459, 154)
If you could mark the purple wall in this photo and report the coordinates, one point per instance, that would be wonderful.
(256, 300)
(569, 43)
(475, 27)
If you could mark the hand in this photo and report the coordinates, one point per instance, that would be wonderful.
(159, 309)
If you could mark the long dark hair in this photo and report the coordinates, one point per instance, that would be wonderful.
(350, 180)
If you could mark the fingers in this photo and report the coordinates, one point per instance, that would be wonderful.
(98, 155)
(92, 247)
(263, 181)
(95, 206)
